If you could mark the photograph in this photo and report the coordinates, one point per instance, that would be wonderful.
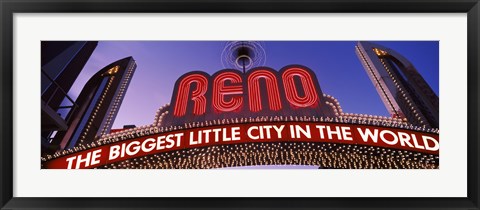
(240, 105)
(257, 104)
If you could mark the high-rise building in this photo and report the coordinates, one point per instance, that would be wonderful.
(61, 63)
(98, 105)
(401, 88)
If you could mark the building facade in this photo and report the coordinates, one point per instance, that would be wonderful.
(61, 63)
(98, 105)
(402, 89)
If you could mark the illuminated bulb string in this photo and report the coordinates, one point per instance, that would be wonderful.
(324, 155)
(371, 72)
(118, 99)
(405, 95)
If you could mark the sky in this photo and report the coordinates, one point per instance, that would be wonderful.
(338, 70)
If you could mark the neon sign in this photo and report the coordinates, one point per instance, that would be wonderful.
(230, 93)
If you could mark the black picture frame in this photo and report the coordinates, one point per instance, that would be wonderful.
(10, 7)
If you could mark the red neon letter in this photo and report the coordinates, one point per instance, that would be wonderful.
(311, 95)
(255, 99)
(198, 95)
(220, 90)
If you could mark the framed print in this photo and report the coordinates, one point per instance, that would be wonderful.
(246, 105)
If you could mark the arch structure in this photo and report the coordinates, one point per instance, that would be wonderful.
(229, 120)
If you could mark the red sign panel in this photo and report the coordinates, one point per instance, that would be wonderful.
(262, 91)
(250, 133)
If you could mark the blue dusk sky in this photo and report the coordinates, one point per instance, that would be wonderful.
(161, 63)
